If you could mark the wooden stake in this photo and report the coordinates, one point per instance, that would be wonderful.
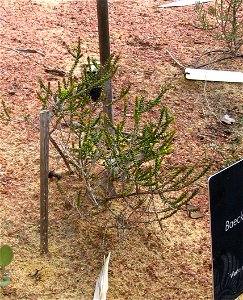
(104, 47)
(44, 170)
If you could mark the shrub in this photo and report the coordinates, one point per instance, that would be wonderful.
(124, 170)
(228, 20)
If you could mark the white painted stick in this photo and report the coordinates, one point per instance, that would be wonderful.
(213, 75)
(182, 3)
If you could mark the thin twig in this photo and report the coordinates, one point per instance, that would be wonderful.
(231, 56)
(61, 153)
(4, 20)
(54, 71)
(206, 99)
(175, 60)
(20, 53)
(31, 51)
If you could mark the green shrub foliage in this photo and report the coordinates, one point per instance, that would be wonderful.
(227, 18)
(122, 166)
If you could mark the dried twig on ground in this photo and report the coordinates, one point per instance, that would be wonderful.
(175, 60)
(226, 55)
(28, 50)
(22, 53)
(54, 71)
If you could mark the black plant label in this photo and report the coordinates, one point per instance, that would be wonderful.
(226, 209)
